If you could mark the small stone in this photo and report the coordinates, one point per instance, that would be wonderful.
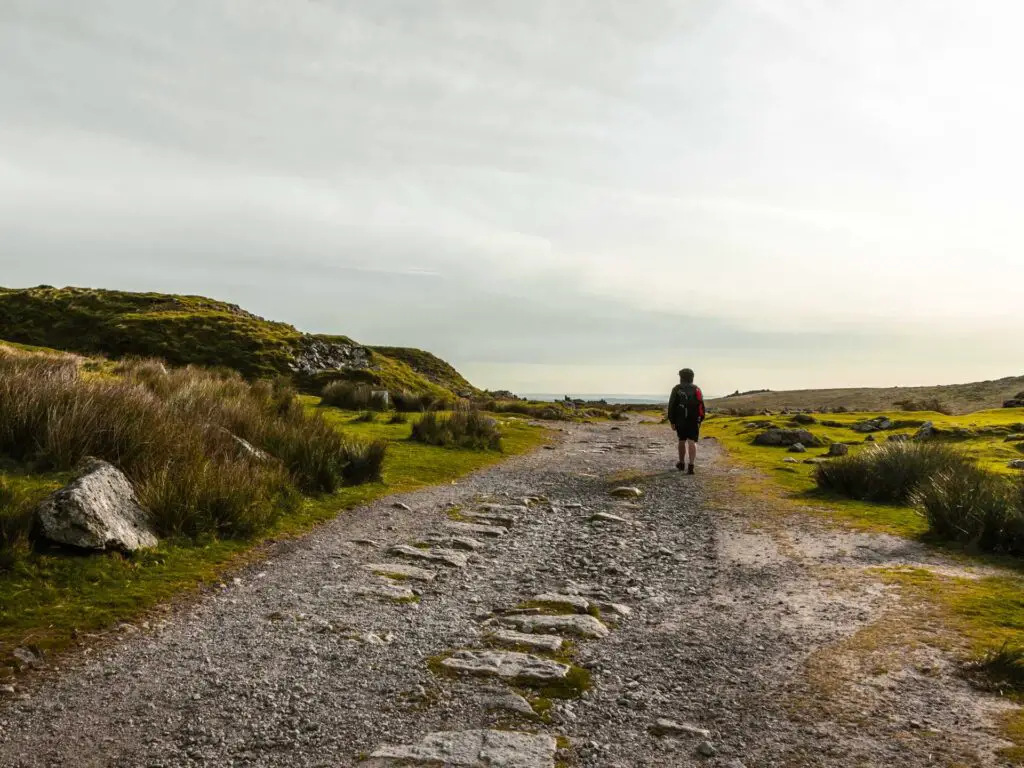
(401, 571)
(664, 727)
(387, 591)
(477, 528)
(490, 518)
(7, 690)
(606, 517)
(1016, 464)
(797, 448)
(707, 749)
(838, 449)
(626, 492)
(401, 506)
(444, 556)
(466, 543)
(509, 702)
(790, 460)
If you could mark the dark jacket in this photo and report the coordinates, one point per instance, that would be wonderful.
(686, 404)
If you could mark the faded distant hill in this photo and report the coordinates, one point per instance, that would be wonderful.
(958, 398)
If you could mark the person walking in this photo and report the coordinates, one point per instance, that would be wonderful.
(685, 413)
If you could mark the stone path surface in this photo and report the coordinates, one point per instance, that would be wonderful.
(676, 624)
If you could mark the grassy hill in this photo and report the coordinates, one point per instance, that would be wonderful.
(196, 330)
(957, 398)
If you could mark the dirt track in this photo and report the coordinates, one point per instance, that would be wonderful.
(772, 634)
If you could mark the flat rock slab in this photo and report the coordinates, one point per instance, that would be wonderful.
(573, 602)
(576, 624)
(508, 509)
(490, 518)
(606, 517)
(448, 557)
(626, 492)
(470, 749)
(507, 665)
(401, 570)
(515, 639)
(387, 591)
(478, 528)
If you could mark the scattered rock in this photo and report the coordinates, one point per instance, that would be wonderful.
(27, 658)
(448, 557)
(507, 665)
(508, 637)
(7, 690)
(780, 437)
(466, 543)
(478, 528)
(797, 448)
(790, 460)
(1016, 464)
(388, 591)
(401, 506)
(401, 571)
(869, 439)
(663, 727)
(626, 492)
(707, 749)
(838, 449)
(509, 702)
(571, 624)
(606, 517)
(490, 518)
(97, 511)
(570, 602)
(877, 424)
(470, 749)
(925, 432)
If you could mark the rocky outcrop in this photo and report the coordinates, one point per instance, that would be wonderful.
(780, 437)
(317, 355)
(98, 511)
(877, 424)
(925, 432)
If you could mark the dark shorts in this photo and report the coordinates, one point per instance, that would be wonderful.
(689, 430)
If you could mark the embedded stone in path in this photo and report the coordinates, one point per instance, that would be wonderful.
(447, 557)
(401, 571)
(606, 517)
(550, 643)
(477, 528)
(388, 591)
(470, 749)
(490, 518)
(627, 492)
(509, 702)
(508, 509)
(507, 665)
(580, 625)
(665, 727)
(467, 543)
(572, 602)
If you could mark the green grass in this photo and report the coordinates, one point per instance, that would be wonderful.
(431, 368)
(796, 482)
(49, 600)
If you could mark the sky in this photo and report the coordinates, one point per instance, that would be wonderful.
(581, 196)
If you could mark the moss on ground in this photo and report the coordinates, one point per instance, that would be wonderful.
(50, 600)
(430, 367)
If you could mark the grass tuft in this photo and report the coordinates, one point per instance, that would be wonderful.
(890, 472)
(1001, 667)
(460, 429)
(354, 396)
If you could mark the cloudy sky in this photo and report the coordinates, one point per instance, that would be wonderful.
(577, 196)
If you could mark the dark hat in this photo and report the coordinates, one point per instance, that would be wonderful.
(686, 373)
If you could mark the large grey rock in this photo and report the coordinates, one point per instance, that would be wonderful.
(448, 557)
(401, 571)
(478, 528)
(838, 449)
(780, 437)
(1016, 402)
(925, 432)
(797, 448)
(98, 511)
(507, 665)
(572, 624)
(470, 749)
(515, 639)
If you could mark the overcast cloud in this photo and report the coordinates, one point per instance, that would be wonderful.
(579, 195)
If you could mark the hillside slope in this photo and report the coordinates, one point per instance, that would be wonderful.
(431, 367)
(196, 330)
(958, 398)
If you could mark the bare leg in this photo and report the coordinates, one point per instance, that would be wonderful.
(691, 447)
(682, 451)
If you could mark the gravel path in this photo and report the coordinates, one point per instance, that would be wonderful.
(742, 633)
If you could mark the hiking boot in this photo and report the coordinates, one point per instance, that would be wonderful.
(680, 466)
(689, 469)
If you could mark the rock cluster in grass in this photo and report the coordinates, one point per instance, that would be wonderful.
(787, 437)
(1017, 401)
(877, 424)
